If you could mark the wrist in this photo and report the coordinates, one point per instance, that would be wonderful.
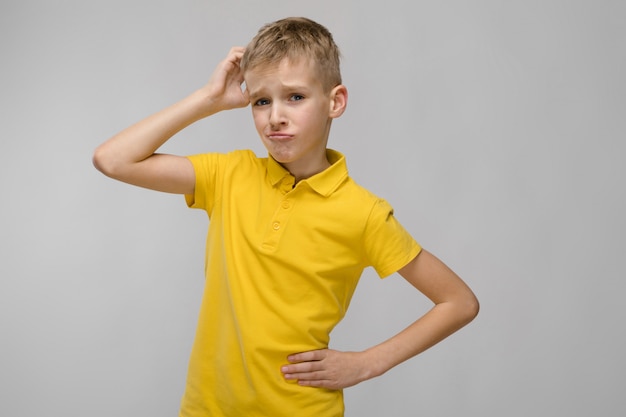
(204, 103)
(375, 365)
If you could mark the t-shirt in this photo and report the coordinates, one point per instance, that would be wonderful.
(282, 263)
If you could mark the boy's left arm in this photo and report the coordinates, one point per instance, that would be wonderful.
(455, 306)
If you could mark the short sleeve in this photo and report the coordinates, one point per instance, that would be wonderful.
(388, 245)
(206, 167)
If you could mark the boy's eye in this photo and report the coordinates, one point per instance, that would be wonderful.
(296, 97)
(261, 102)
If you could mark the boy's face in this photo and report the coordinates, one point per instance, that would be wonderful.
(292, 114)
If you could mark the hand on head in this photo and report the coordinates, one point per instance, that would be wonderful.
(224, 88)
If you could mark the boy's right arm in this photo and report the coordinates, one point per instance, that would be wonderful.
(130, 156)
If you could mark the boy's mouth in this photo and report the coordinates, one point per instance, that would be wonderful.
(279, 136)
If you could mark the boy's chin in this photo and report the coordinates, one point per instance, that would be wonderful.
(280, 157)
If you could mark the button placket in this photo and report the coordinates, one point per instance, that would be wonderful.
(277, 224)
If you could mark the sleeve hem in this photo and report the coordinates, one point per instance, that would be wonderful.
(396, 266)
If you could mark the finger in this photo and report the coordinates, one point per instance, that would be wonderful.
(316, 383)
(306, 376)
(312, 355)
(302, 368)
(237, 53)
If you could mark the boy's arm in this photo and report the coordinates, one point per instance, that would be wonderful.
(130, 156)
(455, 306)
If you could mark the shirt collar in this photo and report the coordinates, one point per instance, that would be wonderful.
(324, 183)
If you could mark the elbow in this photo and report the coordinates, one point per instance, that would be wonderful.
(98, 160)
(471, 307)
(103, 161)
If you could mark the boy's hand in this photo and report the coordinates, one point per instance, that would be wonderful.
(327, 368)
(224, 88)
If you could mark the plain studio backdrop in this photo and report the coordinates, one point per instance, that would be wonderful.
(495, 129)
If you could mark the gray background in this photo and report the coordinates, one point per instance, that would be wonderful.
(496, 130)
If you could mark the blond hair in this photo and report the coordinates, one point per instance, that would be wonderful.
(295, 38)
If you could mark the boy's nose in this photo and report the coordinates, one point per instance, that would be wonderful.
(277, 116)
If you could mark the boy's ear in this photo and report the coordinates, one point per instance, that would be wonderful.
(338, 101)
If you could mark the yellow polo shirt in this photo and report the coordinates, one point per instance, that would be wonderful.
(282, 263)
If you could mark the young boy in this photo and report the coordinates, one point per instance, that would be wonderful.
(289, 235)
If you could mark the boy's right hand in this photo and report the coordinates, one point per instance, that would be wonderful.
(224, 88)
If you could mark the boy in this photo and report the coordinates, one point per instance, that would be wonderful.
(289, 235)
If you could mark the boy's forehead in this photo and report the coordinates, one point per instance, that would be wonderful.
(286, 62)
(303, 68)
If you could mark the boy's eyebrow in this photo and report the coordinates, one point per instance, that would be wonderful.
(285, 87)
(254, 93)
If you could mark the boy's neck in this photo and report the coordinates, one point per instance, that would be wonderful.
(303, 171)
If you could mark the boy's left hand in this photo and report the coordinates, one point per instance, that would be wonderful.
(327, 368)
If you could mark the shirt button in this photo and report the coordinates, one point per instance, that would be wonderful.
(276, 225)
(286, 204)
